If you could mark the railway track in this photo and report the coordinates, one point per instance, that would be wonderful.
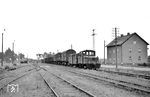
(128, 74)
(121, 83)
(117, 83)
(7, 80)
(48, 85)
(10, 72)
(137, 75)
(66, 86)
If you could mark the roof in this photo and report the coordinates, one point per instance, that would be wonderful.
(121, 40)
(84, 53)
(88, 51)
(69, 51)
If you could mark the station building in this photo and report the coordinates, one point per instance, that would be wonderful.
(131, 49)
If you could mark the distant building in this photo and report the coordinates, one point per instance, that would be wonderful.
(131, 49)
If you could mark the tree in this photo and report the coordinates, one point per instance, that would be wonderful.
(0, 55)
(9, 55)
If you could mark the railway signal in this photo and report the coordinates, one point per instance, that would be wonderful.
(38, 57)
(104, 52)
(93, 39)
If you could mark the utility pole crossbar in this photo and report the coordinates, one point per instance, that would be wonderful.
(2, 51)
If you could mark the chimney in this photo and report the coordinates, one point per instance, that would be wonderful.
(71, 46)
(128, 33)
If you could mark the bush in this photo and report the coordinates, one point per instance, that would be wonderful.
(7, 67)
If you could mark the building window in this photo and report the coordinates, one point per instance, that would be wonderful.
(83, 52)
(134, 42)
(130, 58)
(139, 58)
(139, 50)
(130, 50)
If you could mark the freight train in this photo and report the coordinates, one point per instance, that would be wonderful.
(84, 59)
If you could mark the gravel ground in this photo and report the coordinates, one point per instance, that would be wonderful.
(139, 81)
(99, 88)
(127, 69)
(29, 86)
(13, 73)
(136, 68)
(33, 85)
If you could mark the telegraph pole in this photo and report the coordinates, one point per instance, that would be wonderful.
(104, 52)
(38, 57)
(13, 59)
(116, 46)
(93, 39)
(27, 58)
(13, 46)
(2, 50)
(115, 40)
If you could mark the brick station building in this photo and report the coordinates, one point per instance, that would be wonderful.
(131, 49)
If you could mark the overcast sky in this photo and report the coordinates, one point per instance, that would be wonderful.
(39, 26)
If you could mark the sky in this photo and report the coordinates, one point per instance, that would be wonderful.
(39, 26)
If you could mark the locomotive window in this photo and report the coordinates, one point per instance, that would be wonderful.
(84, 52)
(90, 53)
(87, 53)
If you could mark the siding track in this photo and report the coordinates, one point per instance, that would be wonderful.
(70, 85)
(115, 82)
(48, 85)
(7, 80)
(144, 76)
